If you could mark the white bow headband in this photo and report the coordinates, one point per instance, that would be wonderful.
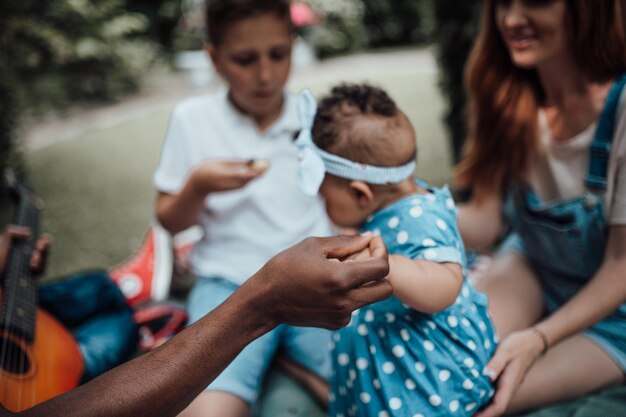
(314, 162)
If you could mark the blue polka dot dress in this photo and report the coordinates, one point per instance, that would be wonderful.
(392, 360)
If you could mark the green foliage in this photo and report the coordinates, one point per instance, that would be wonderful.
(352, 25)
(190, 32)
(457, 25)
(392, 23)
(63, 51)
(8, 113)
(67, 52)
(163, 17)
(342, 30)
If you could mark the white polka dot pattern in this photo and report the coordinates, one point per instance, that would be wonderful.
(343, 359)
(402, 237)
(395, 403)
(434, 400)
(429, 243)
(454, 405)
(388, 368)
(444, 375)
(416, 211)
(393, 222)
(362, 364)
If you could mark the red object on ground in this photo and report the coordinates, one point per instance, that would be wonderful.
(184, 243)
(302, 14)
(158, 323)
(148, 274)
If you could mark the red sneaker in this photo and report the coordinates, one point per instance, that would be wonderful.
(183, 244)
(148, 274)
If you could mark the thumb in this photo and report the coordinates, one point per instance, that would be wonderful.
(495, 366)
(343, 246)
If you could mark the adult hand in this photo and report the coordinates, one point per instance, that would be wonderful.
(509, 366)
(225, 175)
(39, 256)
(313, 283)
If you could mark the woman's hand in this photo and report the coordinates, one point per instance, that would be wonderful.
(508, 367)
(225, 175)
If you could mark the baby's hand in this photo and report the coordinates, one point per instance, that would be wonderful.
(225, 175)
(367, 252)
(364, 254)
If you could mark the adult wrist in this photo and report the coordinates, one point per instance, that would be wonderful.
(258, 301)
(544, 339)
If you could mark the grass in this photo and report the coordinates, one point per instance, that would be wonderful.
(98, 193)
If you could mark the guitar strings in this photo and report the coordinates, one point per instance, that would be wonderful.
(7, 356)
(14, 349)
(13, 355)
(22, 359)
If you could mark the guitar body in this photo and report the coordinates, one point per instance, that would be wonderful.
(50, 366)
(39, 359)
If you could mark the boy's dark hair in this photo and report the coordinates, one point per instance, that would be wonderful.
(220, 14)
(336, 128)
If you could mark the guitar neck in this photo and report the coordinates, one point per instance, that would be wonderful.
(20, 291)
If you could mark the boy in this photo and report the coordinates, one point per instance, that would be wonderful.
(249, 211)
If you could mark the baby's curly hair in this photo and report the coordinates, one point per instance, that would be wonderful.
(362, 123)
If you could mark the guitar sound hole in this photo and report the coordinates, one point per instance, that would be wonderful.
(13, 358)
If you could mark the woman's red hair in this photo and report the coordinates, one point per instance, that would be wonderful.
(505, 99)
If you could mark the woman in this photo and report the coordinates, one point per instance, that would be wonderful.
(539, 77)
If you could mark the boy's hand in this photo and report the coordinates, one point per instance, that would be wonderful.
(310, 285)
(225, 175)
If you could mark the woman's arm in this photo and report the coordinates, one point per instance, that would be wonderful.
(425, 286)
(480, 220)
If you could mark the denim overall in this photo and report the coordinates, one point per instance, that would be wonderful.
(564, 240)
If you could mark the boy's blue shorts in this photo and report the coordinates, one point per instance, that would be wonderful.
(244, 376)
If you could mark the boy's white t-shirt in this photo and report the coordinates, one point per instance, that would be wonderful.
(561, 168)
(243, 228)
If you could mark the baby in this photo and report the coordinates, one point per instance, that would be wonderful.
(421, 352)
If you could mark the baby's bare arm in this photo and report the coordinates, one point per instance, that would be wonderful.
(424, 285)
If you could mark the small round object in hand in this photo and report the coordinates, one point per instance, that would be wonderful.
(259, 164)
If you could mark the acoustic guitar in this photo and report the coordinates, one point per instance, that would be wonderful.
(39, 358)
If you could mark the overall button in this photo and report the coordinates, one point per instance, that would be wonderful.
(590, 201)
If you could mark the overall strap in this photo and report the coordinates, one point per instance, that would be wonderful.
(600, 148)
